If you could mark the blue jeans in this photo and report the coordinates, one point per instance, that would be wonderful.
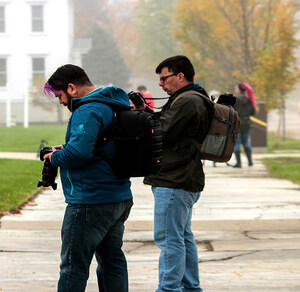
(89, 230)
(178, 261)
(242, 139)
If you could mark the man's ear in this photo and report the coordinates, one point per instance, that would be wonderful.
(181, 76)
(72, 90)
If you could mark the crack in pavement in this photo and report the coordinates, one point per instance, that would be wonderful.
(23, 251)
(143, 244)
(207, 243)
(227, 258)
(246, 233)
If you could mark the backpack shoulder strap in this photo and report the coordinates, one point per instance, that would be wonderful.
(205, 98)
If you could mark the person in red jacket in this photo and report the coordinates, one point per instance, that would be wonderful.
(142, 89)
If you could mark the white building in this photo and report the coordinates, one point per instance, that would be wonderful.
(36, 37)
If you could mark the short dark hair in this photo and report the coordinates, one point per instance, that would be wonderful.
(177, 64)
(142, 87)
(64, 75)
(242, 87)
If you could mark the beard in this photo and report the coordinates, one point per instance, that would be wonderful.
(69, 97)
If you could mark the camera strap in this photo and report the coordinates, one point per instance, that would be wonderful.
(154, 98)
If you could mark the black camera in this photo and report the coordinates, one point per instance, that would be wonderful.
(227, 99)
(136, 98)
(49, 171)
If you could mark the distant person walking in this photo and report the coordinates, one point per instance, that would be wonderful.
(245, 106)
(142, 89)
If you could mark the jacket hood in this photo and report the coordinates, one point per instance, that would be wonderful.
(193, 86)
(111, 95)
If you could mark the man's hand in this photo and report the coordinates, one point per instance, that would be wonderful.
(57, 147)
(140, 107)
(54, 148)
(48, 156)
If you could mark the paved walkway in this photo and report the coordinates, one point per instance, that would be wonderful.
(247, 227)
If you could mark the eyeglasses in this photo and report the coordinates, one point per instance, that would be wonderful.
(163, 79)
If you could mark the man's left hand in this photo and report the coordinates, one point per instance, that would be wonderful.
(48, 156)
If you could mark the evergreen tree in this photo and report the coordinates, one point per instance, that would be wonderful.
(104, 63)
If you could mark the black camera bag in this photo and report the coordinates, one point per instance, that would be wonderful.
(138, 141)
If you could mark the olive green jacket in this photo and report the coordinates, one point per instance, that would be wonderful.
(181, 166)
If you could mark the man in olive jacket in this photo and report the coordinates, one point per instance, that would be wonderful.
(178, 183)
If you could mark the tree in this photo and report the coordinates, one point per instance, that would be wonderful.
(88, 14)
(226, 39)
(142, 29)
(122, 23)
(104, 63)
(45, 102)
(155, 29)
(276, 73)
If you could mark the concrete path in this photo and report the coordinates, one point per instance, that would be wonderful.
(247, 227)
(19, 155)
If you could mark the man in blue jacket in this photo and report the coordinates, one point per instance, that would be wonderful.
(98, 202)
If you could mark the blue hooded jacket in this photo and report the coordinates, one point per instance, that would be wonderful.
(87, 178)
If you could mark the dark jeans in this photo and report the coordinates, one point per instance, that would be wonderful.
(89, 230)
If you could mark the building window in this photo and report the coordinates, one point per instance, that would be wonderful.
(3, 72)
(37, 18)
(38, 68)
(2, 19)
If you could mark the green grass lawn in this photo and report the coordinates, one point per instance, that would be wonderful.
(284, 167)
(19, 180)
(288, 144)
(19, 139)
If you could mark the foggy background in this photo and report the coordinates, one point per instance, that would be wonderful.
(120, 42)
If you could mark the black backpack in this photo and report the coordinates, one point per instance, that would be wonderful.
(138, 141)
